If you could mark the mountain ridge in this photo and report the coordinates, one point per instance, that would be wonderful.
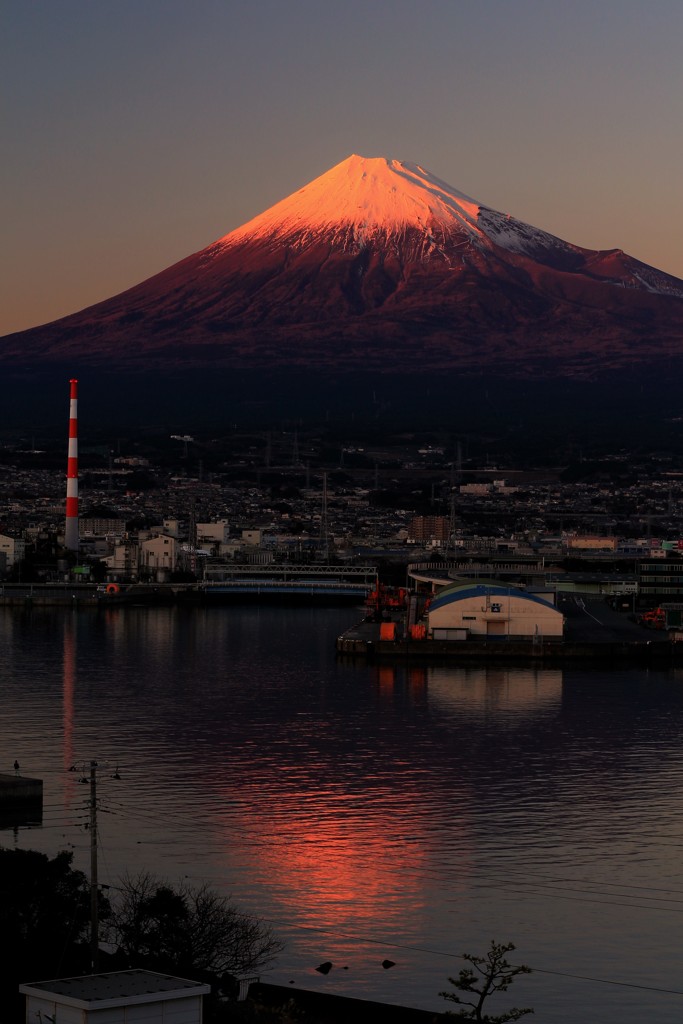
(378, 264)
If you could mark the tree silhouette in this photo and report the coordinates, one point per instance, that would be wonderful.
(186, 929)
(45, 917)
(492, 973)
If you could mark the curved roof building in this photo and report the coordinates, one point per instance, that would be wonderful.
(488, 608)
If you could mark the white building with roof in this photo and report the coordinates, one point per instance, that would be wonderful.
(159, 553)
(121, 997)
(213, 533)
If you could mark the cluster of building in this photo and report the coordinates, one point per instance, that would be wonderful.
(189, 507)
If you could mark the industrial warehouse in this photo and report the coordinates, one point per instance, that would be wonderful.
(489, 609)
(478, 619)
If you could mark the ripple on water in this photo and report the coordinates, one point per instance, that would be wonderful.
(407, 812)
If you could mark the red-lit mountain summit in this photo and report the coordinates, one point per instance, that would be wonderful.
(377, 264)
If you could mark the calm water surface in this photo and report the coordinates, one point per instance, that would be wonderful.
(368, 812)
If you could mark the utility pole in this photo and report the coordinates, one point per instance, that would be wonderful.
(94, 888)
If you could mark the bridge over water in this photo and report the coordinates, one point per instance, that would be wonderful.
(342, 583)
(309, 584)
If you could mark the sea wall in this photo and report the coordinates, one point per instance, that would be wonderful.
(645, 652)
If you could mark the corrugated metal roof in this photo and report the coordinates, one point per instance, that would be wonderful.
(115, 988)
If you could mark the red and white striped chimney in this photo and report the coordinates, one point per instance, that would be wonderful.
(71, 527)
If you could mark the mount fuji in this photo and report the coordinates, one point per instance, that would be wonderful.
(379, 266)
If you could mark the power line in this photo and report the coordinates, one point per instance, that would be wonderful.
(549, 891)
(458, 956)
(355, 937)
(493, 882)
(270, 839)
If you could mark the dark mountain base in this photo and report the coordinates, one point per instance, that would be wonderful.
(619, 410)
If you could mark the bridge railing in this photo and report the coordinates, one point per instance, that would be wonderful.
(366, 573)
(340, 586)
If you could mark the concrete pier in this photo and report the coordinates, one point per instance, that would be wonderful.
(364, 640)
(21, 800)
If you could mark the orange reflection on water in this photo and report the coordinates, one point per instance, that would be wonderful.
(473, 689)
(389, 676)
(68, 691)
(337, 862)
(69, 682)
(386, 677)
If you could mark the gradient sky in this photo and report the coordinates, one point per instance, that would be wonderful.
(135, 132)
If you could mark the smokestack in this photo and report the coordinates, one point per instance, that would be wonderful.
(71, 527)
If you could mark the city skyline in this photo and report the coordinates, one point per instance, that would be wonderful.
(138, 135)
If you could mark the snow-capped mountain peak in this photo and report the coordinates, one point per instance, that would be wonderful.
(366, 200)
(368, 194)
(379, 264)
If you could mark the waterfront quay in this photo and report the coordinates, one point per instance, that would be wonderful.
(593, 632)
(290, 584)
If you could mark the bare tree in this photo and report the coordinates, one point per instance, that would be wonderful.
(187, 929)
(492, 973)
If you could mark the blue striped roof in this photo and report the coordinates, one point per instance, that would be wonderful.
(461, 591)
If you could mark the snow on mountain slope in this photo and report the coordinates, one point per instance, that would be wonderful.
(379, 202)
(369, 194)
(378, 262)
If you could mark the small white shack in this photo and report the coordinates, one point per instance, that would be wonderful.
(122, 997)
(491, 609)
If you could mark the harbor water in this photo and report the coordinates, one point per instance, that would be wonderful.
(367, 812)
